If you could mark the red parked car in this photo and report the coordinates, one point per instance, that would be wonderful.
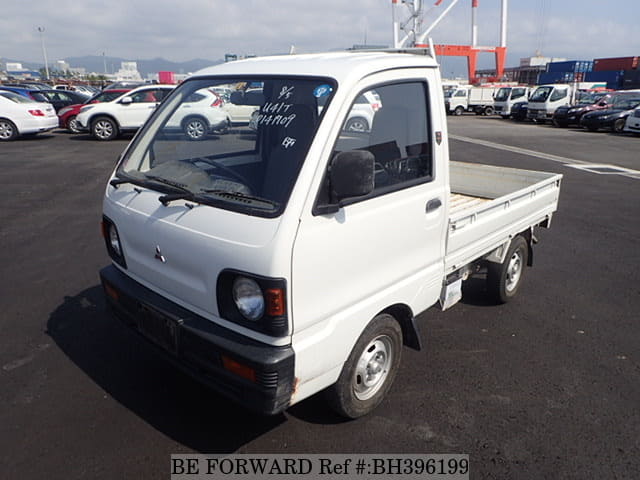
(67, 116)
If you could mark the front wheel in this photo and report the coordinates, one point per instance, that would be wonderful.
(368, 373)
(488, 110)
(72, 124)
(618, 125)
(104, 129)
(503, 279)
(459, 110)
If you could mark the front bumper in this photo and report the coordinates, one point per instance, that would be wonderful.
(596, 122)
(200, 348)
(538, 115)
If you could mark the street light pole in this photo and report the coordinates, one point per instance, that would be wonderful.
(44, 51)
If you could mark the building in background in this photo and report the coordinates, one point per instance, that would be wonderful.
(128, 71)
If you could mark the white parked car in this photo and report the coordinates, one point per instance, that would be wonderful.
(633, 122)
(21, 116)
(361, 115)
(239, 113)
(200, 114)
(128, 112)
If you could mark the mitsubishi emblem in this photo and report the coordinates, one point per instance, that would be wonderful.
(159, 256)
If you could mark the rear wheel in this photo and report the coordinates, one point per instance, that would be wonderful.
(503, 279)
(369, 371)
(357, 124)
(8, 130)
(195, 128)
(104, 129)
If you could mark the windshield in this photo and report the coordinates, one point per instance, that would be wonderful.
(541, 94)
(625, 102)
(503, 94)
(243, 154)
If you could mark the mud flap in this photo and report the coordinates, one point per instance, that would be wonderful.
(451, 292)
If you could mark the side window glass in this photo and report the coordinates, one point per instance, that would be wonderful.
(393, 126)
(517, 93)
(143, 96)
(461, 93)
(558, 95)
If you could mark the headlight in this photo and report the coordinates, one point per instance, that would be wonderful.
(64, 110)
(248, 297)
(114, 241)
(84, 109)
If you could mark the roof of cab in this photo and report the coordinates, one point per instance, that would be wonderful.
(338, 65)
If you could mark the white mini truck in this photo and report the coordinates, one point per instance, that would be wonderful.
(275, 263)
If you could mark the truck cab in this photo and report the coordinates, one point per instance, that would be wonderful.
(505, 97)
(278, 261)
(546, 98)
(456, 99)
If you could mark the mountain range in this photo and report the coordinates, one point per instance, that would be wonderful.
(96, 63)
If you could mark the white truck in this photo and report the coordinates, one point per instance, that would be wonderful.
(546, 98)
(506, 97)
(277, 263)
(469, 99)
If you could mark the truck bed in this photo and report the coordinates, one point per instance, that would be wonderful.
(488, 205)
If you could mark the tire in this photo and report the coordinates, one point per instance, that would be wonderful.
(560, 124)
(459, 110)
(72, 124)
(8, 130)
(357, 124)
(504, 279)
(592, 128)
(505, 117)
(195, 128)
(225, 128)
(368, 373)
(618, 125)
(104, 129)
(488, 111)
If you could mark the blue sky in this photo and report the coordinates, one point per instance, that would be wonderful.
(575, 29)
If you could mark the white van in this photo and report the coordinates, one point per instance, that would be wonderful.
(545, 99)
(505, 97)
(276, 263)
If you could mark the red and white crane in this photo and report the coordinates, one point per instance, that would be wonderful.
(416, 36)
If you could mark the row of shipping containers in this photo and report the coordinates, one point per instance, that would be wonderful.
(617, 73)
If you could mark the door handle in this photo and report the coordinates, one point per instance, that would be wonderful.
(433, 204)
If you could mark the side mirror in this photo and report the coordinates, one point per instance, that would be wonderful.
(352, 174)
(126, 101)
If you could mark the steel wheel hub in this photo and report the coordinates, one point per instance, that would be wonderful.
(514, 270)
(373, 367)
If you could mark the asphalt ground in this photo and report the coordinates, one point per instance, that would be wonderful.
(545, 387)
